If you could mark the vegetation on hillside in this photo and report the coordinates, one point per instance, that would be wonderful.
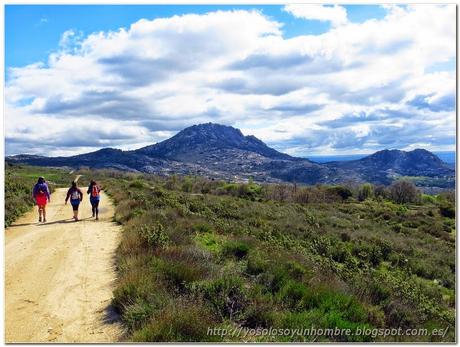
(201, 255)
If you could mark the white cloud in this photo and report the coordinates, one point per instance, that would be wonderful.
(335, 14)
(357, 87)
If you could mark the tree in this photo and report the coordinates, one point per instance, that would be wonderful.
(366, 191)
(343, 192)
(380, 192)
(403, 192)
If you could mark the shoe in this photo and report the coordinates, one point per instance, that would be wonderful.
(44, 220)
(93, 214)
(39, 219)
(97, 218)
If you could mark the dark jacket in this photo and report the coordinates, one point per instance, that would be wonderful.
(70, 193)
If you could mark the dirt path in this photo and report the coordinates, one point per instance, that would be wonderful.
(59, 275)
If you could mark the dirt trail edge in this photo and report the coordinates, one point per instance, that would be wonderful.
(59, 276)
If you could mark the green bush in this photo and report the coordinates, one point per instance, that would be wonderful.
(154, 235)
(342, 192)
(428, 199)
(137, 184)
(256, 263)
(182, 322)
(258, 316)
(235, 248)
(136, 315)
(179, 273)
(447, 210)
(292, 294)
(227, 295)
(366, 191)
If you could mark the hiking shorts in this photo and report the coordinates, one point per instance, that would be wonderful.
(41, 201)
(94, 201)
(75, 204)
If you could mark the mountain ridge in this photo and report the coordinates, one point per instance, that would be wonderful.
(223, 152)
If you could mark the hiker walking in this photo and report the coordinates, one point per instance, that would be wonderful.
(41, 195)
(95, 196)
(76, 196)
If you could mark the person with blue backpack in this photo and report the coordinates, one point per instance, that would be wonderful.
(41, 195)
(76, 196)
(95, 196)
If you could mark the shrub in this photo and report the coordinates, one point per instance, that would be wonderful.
(202, 228)
(448, 196)
(279, 273)
(447, 210)
(428, 199)
(279, 192)
(403, 192)
(210, 241)
(340, 253)
(366, 191)
(381, 192)
(136, 315)
(187, 185)
(345, 237)
(259, 315)
(227, 295)
(238, 249)
(178, 323)
(183, 265)
(397, 228)
(256, 263)
(435, 229)
(399, 315)
(342, 192)
(154, 235)
(137, 184)
(292, 293)
(180, 273)
(378, 292)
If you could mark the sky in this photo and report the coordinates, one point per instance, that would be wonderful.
(305, 79)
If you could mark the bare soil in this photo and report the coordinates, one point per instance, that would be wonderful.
(59, 275)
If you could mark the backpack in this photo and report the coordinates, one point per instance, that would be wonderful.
(41, 190)
(75, 195)
(95, 191)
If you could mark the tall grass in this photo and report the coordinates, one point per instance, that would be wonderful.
(254, 256)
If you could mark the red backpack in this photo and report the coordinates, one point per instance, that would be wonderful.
(95, 191)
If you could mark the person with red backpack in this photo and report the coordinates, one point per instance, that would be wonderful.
(41, 195)
(76, 196)
(95, 196)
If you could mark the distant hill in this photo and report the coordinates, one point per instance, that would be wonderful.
(223, 152)
(385, 165)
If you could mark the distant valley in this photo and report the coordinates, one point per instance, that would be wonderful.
(223, 152)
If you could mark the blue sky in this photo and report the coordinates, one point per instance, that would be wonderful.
(32, 32)
(306, 79)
